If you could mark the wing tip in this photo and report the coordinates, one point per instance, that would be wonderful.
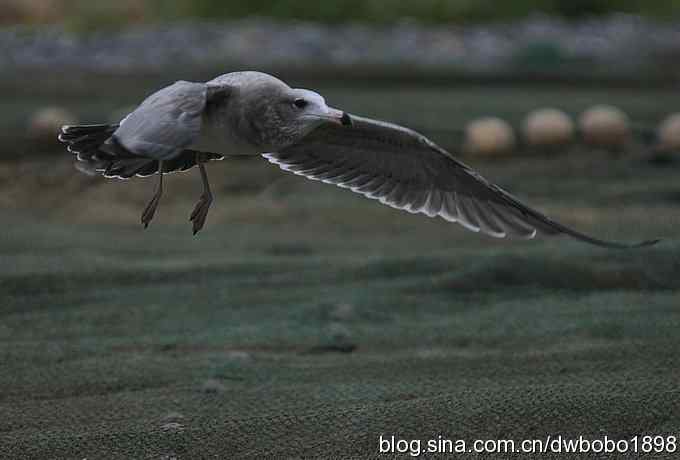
(645, 243)
(616, 245)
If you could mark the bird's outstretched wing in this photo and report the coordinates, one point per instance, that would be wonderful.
(405, 170)
(169, 120)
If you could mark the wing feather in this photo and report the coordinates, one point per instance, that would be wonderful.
(168, 121)
(407, 171)
(465, 217)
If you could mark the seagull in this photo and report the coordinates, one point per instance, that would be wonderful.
(189, 124)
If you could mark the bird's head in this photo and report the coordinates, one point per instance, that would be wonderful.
(281, 115)
(309, 110)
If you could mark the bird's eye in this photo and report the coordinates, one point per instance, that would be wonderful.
(300, 103)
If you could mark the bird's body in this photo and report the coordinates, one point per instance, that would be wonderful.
(219, 135)
(225, 129)
(252, 113)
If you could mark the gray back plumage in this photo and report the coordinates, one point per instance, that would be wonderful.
(166, 122)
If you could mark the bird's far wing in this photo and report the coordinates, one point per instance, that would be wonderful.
(168, 121)
(405, 170)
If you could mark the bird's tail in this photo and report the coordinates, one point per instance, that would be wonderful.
(97, 152)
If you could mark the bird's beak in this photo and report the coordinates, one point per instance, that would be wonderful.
(339, 117)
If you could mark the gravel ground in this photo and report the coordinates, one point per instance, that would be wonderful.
(619, 43)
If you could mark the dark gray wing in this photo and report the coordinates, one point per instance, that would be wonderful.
(405, 170)
(168, 121)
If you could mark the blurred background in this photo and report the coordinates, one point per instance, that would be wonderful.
(305, 320)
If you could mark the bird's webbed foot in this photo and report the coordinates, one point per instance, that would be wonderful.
(200, 211)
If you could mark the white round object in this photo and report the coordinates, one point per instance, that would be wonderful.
(669, 132)
(489, 136)
(605, 126)
(45, 124)
(548, 127)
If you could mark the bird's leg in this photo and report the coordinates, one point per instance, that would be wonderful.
(201, 209)
(150, 209)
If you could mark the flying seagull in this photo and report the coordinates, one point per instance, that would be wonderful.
(188, 124)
